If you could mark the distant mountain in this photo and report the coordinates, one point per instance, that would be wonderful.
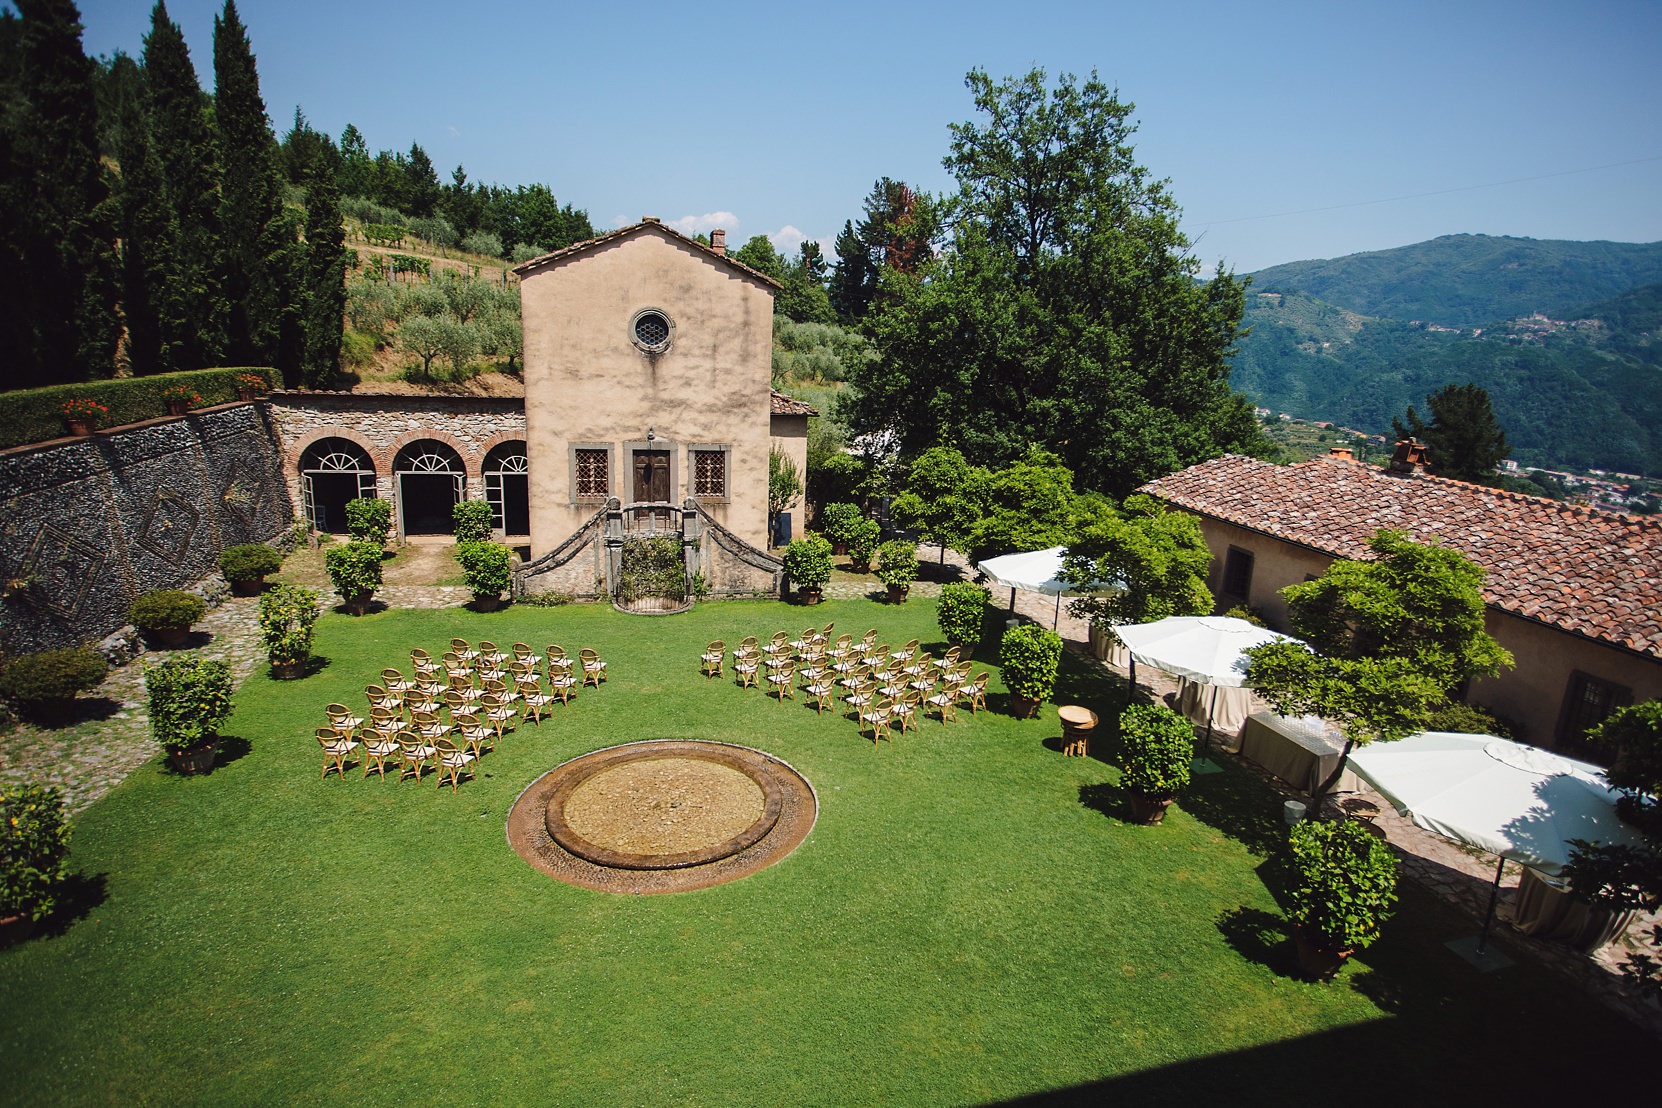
(1471, 280)
(1580, 388)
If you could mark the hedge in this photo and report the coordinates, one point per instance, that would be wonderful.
(36, 415)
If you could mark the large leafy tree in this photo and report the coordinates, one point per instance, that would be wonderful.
(258, 237)
(1463, 439)
(58, 220)
(1029, 505)
(944, 498)
(1386, 642)
(183, 140)
(1067, 309)
(1155, 560)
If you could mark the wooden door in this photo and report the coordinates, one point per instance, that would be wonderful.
(652, 476)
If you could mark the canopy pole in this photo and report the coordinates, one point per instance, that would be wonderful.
(1012, 599)
(1131, 687)
(1494, 895)
(1056, 621)
(1206, 749)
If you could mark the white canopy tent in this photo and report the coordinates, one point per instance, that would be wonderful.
(1035, 571)
(1205, 649)
(1519, 802)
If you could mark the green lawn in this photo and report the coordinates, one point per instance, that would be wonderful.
(970, 921)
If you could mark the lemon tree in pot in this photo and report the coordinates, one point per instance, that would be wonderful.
(190, 696)
(808, 565)
(34, 839)
(1344, 882)
(897, 567)
(1159, 747)
(1028, 656)
(862, 544)
(486, 566)
(43, 684)
(838, 522)
(355, 570)
(246, 566)
(165, 615)
(369, 519)
(288, 614)
(960, 611)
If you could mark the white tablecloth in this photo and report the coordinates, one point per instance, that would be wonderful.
(1301, 750)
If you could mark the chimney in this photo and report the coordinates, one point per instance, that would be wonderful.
(649, 219)
(1408, 459)
(1342, 452)
(718, 241)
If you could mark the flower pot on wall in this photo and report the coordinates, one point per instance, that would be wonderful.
(79, 426)
(178, 407)
(245, 394)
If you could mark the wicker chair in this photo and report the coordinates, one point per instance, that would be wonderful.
(594, 670)
(337, 747)
(876, 717)
(535, 700)
(452, 763)
(710, 662)
(783, 679)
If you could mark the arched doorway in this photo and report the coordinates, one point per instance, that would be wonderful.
(332, 472)
(430, 480)
(508, 488)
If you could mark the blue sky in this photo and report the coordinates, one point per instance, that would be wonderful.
(1287, 130)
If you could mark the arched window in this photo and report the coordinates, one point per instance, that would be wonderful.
(508, 488)
(430, 480)
(332, 472)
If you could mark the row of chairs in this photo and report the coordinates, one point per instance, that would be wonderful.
(882, 687)
(482, 691)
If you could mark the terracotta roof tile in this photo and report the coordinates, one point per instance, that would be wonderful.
(1596, 574)
(790, 405)
(589, 244)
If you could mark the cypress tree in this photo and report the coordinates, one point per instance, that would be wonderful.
(151, 286)
(67, 235)
(325, 273)
(257, 239)
(183, 142)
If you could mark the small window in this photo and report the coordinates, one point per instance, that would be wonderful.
(1237, 574)
(709, 474)
(1587, 703)
(593, 474)
(651, 330)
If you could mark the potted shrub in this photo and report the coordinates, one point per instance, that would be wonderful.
(897, 567)
(287, 615)
(190, 696)
(369, 520)
(165, 615)
(473, 520)
(862, 544)
(1344, 881)
(34, 840)
(180, 399)
(1159, 748)
(43, 685)
(838, 522)
(1028, 656)
(808, 565)
(485, 565)
(82, 414)
(960, 611)
(250, 385)
(246, 566)
(355, 570)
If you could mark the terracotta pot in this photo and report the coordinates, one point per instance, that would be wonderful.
(358, 603)
(839, 548)
(1025, 707)
(897, 593)
(170, 637)
(245, 394)
(1318, 962)
(198, 759)
(178, 407)
(1149, 809)
(487, 603)
(288, 671)
(250, 587)
(860, 567)
(14, 929)
(809, 595)
(79, 426)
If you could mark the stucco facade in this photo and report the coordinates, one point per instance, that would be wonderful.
(597, 395)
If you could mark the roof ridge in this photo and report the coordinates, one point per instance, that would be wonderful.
(657, 224)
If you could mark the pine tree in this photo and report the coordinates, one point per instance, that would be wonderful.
(151, 286)
(355, 163)
(422, 184)
(1463, 440)
(325, 274)
(183, 142)
(853, 278)
(70, 327)
(258, 239)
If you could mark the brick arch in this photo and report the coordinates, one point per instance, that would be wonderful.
(470, 463)
(336, 431)
(496, 440)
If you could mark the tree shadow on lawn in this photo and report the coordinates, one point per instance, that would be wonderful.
(1241, 806)
(79, 894)
(314, 665)
(369, 609)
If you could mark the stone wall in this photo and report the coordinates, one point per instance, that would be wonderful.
(383, 424)
(89, 524)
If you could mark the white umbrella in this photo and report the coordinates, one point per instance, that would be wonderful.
(1034, 571)
(1517, 801)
